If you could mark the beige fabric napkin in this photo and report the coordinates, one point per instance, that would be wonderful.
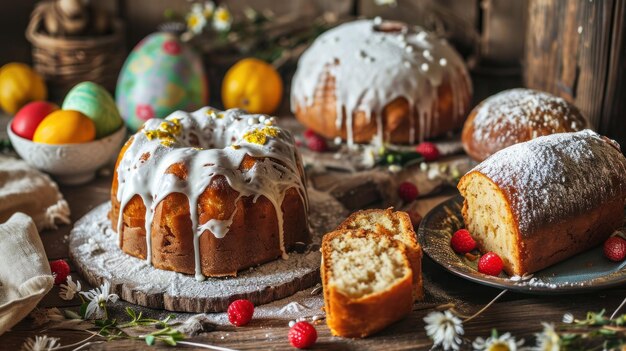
(25, 276)
(25, 189)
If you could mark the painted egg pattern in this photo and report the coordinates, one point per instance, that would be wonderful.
(96, 103)
(161, 75)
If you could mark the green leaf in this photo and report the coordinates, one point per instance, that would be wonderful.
(169, 340)
(71, 314)
(150, 340)
(83, 310)
(130, 312)
(603, 331)
(494, 333)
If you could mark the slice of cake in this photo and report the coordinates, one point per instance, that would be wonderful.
(539, 202)
(398, 226)
(367, 281)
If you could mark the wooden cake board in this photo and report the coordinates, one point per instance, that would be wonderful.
(94, 250)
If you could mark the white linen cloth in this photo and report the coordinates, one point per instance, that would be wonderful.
(25, 276)
(25, 189)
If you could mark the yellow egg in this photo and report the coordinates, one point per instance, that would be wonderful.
(65, 127)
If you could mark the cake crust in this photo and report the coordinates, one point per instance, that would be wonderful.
(514, 116)
(362, 316)
(402, 230)
(383, 80)
(565, 193)
(209, 193)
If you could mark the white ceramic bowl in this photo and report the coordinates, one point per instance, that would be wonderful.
(69, 163)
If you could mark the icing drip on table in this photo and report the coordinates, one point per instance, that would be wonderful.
(557, 176)
(373, 65)
(209, 143)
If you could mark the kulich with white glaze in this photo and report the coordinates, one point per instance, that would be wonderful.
(209, 193)
(517, 115)
(372, 79)
(539, 202)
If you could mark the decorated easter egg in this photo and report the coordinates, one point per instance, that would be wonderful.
(65, 127)
(161, 75)
(96, 103)
(28, 117)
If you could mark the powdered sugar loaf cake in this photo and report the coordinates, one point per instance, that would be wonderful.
(371, 79)
(209, 193)
(542, 201)
(517, 115)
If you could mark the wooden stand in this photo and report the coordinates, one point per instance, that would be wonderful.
(93, 248)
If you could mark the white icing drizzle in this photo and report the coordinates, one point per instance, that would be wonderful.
(372, 68)
(209, 143)
(554, 177)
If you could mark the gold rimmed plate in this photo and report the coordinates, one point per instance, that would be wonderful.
(584, 272)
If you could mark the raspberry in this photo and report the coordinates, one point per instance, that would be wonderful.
(302, 335)
(428, 150)
(240, 312)
(60, 270)
(462, 242)
(309, 133)
(615, 249)
(316, 143)
(491, 264)
(407, 191)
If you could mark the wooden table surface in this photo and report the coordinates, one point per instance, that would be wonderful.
(516, 313)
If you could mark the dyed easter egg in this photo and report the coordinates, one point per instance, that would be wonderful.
(27, 119)
(161, 75)
(96, 103)
(65, 127)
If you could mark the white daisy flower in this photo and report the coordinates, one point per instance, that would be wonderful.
(40, 343)
(197, 8)
(69, 289)
(568, 318)
(504, 342)
(98, 298)
(444, 328)
(222, 19)
(390, 3)
(196, 21)
(250, 13)
(548, 340)
(209, 9)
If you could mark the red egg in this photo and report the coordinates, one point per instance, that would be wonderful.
(28, 117)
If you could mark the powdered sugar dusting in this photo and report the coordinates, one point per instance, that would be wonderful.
(557, 176)
(518, 115)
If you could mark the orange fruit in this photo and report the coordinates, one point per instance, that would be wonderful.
(252, 85)
(65, 127)
(19, 85)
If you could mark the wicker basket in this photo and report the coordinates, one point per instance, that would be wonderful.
(65, 62)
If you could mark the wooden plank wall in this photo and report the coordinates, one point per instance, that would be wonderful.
(575, 49)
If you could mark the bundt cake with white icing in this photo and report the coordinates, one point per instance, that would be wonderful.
(517, 115)
(539, 202)
(209, 193)
(376, 79)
